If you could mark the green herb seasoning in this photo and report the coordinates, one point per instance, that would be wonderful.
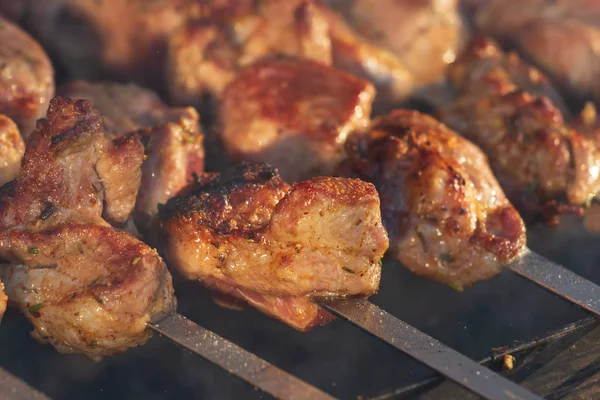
(35, 308)
(33, 250)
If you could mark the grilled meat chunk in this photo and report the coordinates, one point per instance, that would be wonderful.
(66, 170)
(85, 287)
(559, 36)
(12, 149)
(446, 214)
(293, 114)
(172, 138)
(538, 159)
(26, 77)
(250, 234)
(425, 35)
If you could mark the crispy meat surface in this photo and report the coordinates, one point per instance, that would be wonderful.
(172, 138)
(12, 149)
(250, 234)
(293, 114)
(71, 168)
(446, 214)
(558, 36)
(85, 287)
(537, 157)
(26, 77)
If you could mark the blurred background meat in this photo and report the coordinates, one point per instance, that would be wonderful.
(12, 149)
(561, 37)
(26, 77)
(538, 158)
(425, 35)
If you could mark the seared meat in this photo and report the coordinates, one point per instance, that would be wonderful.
(446, 214)
(26, 77)
(72, 169)
(85, 287)
(172, 138)
(293, 114)
(425, 35)
(250, 234)
(559, 36)
(12, 149)
(538, 159)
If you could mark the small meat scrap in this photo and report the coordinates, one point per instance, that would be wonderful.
(249, 234)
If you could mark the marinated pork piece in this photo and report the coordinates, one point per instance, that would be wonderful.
(293, 114)
(425, 35)
(560, 36)
(85, 287)
(446, 214)
(12, 149)
(26, 77)
(539, 160)
(250, 234)
(172, 138)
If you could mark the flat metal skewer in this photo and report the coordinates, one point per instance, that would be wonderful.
(558, 280)
(236, 360)
(423, 348)
(12, 388)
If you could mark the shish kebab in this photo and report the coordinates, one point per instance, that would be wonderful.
(63, 181)
(85, 286)
(291, 90)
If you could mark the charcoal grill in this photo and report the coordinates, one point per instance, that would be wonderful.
(506, 315)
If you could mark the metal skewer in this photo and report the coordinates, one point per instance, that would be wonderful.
(388, 328)
(236, 360)
(558, 280)
(12, 388)
(427, 350)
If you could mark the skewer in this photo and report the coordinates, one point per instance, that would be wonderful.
(423, 348)
(236, 360)
(559, 280)
(12, 388)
